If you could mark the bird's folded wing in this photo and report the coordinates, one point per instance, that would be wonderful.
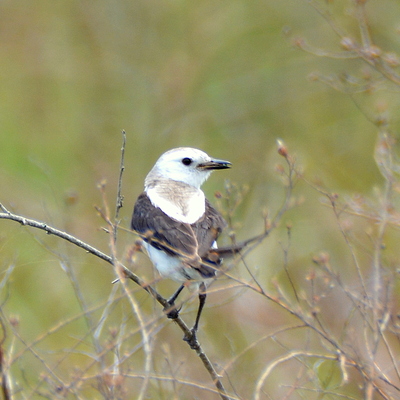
(162, 232)
(208, 228)
(191, 242)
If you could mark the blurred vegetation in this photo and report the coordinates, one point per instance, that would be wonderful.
(229, 77)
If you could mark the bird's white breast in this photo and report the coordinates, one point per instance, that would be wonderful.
(183, 207)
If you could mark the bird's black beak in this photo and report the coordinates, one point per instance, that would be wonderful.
(215, 164)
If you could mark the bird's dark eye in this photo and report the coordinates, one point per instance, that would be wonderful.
(186, 161)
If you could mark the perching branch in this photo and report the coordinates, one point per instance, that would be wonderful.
(6, 214)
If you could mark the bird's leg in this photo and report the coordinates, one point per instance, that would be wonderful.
(170, 309)
(192, 339)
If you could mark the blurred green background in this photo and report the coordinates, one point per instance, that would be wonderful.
(223, 76)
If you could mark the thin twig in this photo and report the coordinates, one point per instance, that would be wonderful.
(122, 279)
(120, 197)
(268, 369)
(363, 25)
(286, 262)
(6, 214)
(5, 389)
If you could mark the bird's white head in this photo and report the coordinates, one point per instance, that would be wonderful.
(185, 164)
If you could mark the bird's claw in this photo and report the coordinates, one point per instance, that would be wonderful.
(171, 311)
(192, 339)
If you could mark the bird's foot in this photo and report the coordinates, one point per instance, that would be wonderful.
(171, 310)
(192, 339)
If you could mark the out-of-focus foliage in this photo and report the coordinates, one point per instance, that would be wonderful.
(229, 77)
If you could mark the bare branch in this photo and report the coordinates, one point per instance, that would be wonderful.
(127, 273)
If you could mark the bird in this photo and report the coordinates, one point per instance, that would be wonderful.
(179, 226)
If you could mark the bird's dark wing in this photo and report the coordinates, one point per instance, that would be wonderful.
(207, 229)
(162, 232)
(192, 242)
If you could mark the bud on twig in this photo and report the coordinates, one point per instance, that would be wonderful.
(347, 43)
(282, 149)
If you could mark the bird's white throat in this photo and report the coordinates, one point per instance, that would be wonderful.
(178, 200)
